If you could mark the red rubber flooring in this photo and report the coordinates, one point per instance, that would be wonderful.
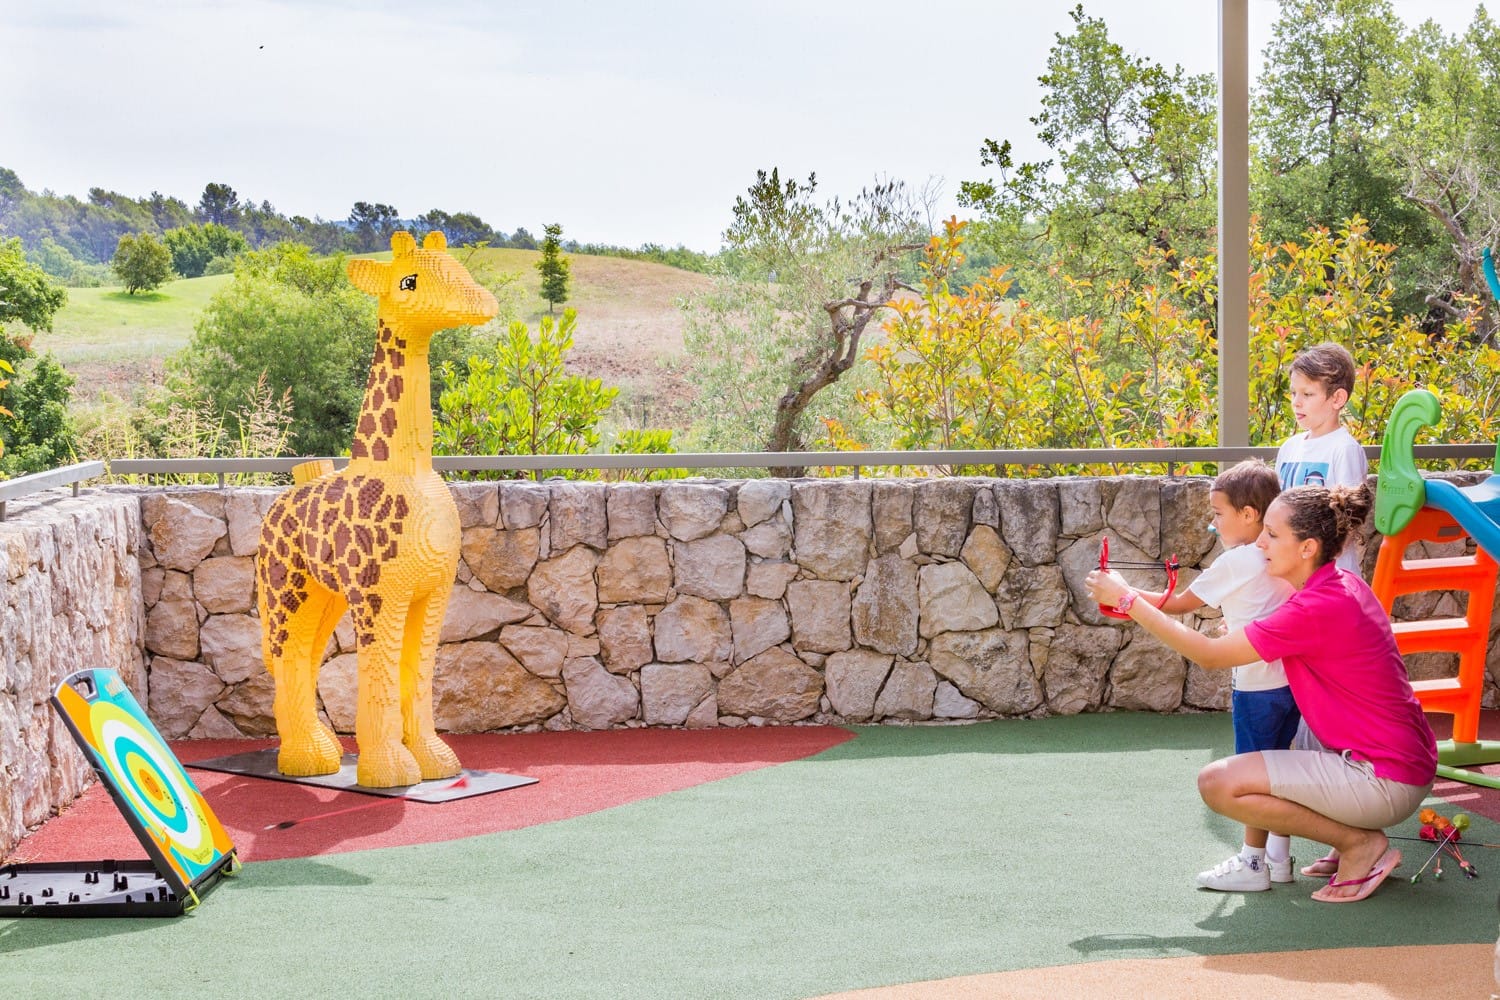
(579, 773)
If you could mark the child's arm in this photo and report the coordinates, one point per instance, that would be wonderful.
(1212, 653)
(1179, 603)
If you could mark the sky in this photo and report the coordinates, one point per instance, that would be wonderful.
(625, 122)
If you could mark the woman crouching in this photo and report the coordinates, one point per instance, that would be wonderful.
(1372, 757)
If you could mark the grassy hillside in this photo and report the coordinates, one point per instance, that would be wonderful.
(100, 324)
(629, 326)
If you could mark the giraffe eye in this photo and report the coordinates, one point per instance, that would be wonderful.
(409, 283)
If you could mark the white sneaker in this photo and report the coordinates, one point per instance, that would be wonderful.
(1283, 871)
(1237, 875)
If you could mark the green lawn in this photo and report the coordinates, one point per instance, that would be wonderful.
(105, 324)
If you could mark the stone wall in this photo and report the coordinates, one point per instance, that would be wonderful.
(716, 603)
(590, 605)
(70, 599)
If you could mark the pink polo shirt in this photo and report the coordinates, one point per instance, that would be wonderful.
(1341, 661)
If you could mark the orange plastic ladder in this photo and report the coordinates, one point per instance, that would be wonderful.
(1468, 636)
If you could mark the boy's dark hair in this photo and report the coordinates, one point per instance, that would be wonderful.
(1252, 483)
(1329, 364)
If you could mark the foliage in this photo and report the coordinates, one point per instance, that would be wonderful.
(969, 370)
(219, 204)
(949, 372)
(645, 441)
(1133, 168)
(26, 292)
(185, 425)
(37, 434)
(194, 246)
(371, 226)
(679, 256)
(460, 228)
(54, 258)
(295, 321)
(5, 369)
(142, 262)
(765, 342)
(521, 401)
(88, 231)
(553, 267)
(1323, 130)
(258, 426)
(1445, 141)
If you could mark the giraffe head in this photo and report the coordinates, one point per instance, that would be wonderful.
(423, 289)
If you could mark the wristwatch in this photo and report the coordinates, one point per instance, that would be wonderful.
(1126, 600)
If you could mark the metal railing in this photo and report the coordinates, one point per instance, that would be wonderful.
(68, 475)
(1121, 458)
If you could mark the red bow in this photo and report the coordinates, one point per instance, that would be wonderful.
(1170, 565)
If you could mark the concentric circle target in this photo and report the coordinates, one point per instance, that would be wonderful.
(151, 780)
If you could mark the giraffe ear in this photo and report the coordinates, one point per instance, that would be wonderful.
(402, 244)
(369, 276)
(435, 240)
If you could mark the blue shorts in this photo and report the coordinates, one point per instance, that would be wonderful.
(1264, 720)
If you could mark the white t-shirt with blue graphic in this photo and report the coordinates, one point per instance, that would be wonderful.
(1335, 459)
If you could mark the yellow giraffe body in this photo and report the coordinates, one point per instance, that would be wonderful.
(379, 538)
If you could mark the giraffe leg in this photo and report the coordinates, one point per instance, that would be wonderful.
(418, 650)
(384, 762)
(308, 747)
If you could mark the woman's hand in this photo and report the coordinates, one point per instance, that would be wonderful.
(1106, 587)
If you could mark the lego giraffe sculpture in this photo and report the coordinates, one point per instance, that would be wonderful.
(380, 537)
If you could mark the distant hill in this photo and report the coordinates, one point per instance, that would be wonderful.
(629, 328)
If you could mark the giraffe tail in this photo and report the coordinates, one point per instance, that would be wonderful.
(306, 472)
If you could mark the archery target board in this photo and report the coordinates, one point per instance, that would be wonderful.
(155, 795)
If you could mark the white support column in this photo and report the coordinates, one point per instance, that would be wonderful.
(1234, 223)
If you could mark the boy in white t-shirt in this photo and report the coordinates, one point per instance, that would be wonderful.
(1265, 714)
(1324, 453)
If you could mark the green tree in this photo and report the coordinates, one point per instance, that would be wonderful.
(39, 433)
(372, 226)
(950, 371)
(193, 246)
(219, 203)
(553, 267)
(521, 400)
(461, 228)
(970, 371)
(26, 293)
(142, 262)
(764, 342)
(1322, 126)
(297, 320)
(35, 433)
(1445, 138)
(1132, 168)
(167, 213)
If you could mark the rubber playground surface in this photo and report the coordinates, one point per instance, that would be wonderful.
(1038, 858)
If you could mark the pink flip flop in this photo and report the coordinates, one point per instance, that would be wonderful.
(1322, 868)
(1387, 864)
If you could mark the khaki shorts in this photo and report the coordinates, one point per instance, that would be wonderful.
(1345, 790)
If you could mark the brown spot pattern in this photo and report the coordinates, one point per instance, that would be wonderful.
(334, 538)
(370, 492)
